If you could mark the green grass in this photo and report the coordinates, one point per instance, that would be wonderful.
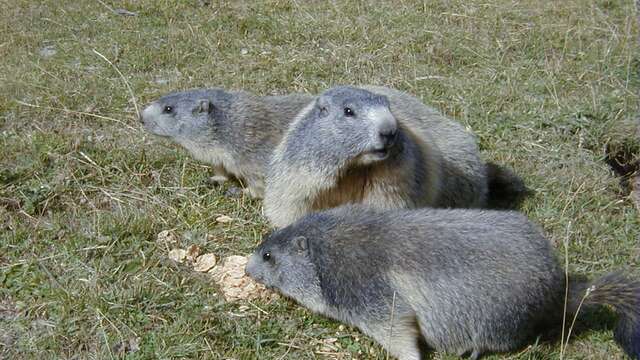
(546, 86)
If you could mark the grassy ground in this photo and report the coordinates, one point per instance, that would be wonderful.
(545, 85)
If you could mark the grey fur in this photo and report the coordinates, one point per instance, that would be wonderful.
(327, 158)
(466, 281)
(233, 131)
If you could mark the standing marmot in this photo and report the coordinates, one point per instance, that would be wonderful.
(233, 131)
(377, 146)
(460, 281)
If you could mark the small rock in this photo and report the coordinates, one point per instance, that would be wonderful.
(48, 51)
(216, 180)
(193, 252)
(329, 345)
(223, 219)
(90, 108)
(125, 12)
(178, 255)
(167, 77)
(330, 340)
(103, 239)
(204, 263)
(167, 237)
(233, 191)
(244, 51)
(134, 344)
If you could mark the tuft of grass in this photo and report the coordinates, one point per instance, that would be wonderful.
(547, 87)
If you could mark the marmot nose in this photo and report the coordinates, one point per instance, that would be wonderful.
(388, 137)
(248, 269)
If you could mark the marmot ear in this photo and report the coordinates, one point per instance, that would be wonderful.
(323, 106)
(300, 243)
(205, 106)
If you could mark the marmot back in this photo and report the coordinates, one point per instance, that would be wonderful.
(376, 146)
(235, 132)
(462, 281)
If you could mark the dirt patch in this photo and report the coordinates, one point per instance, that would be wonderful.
(625, 163)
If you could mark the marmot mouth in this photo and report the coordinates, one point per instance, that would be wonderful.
(373, 156)
(379, 154)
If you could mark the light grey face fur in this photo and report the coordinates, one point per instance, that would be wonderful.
(234, 131)
(190, 116)
(376, 146)
(350, 125)
(283, 263)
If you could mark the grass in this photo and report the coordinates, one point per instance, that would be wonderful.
(546, 86)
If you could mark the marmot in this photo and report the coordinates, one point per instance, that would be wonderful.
(461, 281)
(377, 146)
(233, 131)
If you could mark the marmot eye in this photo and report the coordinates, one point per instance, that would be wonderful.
(266, 256)
(348, 112)
(167, 109)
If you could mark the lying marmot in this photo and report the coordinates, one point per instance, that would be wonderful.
(458, 280)
(233, 131)
(381, 147)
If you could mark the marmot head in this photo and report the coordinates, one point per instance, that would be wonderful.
(367, 129)
(189, 115)
(283, 261)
